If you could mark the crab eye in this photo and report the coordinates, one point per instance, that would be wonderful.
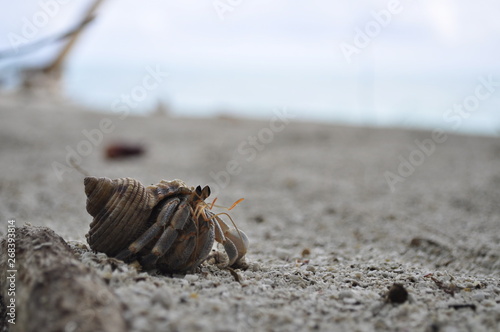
(198, 190)
(206, 191)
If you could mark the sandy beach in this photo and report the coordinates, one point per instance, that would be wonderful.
(335, 215)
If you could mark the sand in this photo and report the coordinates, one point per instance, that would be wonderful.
(329, 236)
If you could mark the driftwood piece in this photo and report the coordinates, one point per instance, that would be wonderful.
(54, 291)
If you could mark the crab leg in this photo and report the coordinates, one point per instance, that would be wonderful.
(179, 219)
(183, 253)
(240, 240)
(166, 213)
(229, 247)
(230, 237)
(205, 243)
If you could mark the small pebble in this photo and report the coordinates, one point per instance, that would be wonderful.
(258, 219)
(163, 298)
(350, 300)
(488, 303)
(346, 293)
(255, 267)
(310, 268)
(397, 294)
(191, 277)
(478, 296)
(283, 253)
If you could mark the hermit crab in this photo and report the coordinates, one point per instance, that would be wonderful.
(167, 226)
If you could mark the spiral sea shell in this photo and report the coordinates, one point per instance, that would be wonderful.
(167, 225)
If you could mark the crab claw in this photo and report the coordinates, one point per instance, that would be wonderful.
(240, 241)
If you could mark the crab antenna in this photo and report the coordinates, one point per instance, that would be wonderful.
(232, 222)
(223, 207)
(224, 213)
(213, 202)
(235, 203)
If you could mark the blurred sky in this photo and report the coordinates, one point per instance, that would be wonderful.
(434, 44)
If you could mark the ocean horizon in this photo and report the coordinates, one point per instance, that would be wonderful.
(369, 98)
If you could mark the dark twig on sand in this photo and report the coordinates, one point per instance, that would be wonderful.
(450, 288)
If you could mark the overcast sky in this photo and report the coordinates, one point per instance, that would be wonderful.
(433, 35)
(411, 62)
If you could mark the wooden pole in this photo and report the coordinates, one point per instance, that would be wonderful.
(55, 66)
